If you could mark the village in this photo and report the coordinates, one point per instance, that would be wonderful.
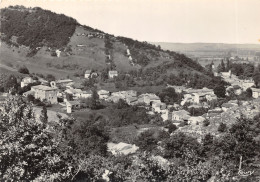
(68, 98)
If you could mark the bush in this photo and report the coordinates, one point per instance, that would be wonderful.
(206, 122)
(172, 128)
(23, 70)
(222, 127)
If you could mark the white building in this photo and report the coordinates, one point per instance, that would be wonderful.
(87, 74)
(58, 53)
(112, 74)
(78, 93)
(180, 115)
(26, 81)
(103, 94)
(255, 92)
(195, 120)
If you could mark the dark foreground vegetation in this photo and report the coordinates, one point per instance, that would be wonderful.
(71, 150)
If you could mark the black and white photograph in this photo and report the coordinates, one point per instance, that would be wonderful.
(130, 90)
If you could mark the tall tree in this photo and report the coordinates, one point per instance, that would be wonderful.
(256, 76)
(11, 84)
(221, 66)
(44, 116)
(28, 152)
(220, 91)
(94, 102)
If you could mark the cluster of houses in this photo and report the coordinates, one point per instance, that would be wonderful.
(196, 98)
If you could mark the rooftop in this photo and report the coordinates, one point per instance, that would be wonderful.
(73, 102)
(255, 89)
(87, 71)
(112, 72)
(64, 81)
(43, 87)
(181, 112)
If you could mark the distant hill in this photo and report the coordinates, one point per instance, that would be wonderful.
(50, 43)
(208, 48)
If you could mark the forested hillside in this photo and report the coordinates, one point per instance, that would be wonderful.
(36, 27)
(34, 36)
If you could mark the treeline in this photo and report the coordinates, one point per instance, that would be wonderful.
(158, 76)
(36, 28)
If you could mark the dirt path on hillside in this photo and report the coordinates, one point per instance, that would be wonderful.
(7, 67)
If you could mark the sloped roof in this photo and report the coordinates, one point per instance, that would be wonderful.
(112, 72)
(87, 71)
(43, 87)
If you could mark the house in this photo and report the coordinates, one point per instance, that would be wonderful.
(43, 82)
(26, 81)
(165, 115)
(112, 74)
(180, 115)
(226, 106)
(255, 92)
(87, 74)
(78, 93)
(103, 94)
(131, 100)
(195, 120)
(43, 92)
(158, 107)
(72, 105)
(113, 98)
(30, 92)
(148, 99)
(128, 52)
(58, 53)
(226, 74)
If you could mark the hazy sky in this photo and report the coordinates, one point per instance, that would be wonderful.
(221, 21)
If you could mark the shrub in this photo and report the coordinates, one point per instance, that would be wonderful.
(172, 128)
(23, 70)
(206, 122)
(222, 127)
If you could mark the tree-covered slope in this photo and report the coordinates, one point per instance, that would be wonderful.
(38, 33)
(36, 27)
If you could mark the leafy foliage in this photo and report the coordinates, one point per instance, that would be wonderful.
(28, 151)
(36, 27)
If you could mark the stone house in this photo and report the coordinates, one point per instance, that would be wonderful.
(43, 92)
(180, 115)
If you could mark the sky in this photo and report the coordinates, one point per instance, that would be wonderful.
(183, 21)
